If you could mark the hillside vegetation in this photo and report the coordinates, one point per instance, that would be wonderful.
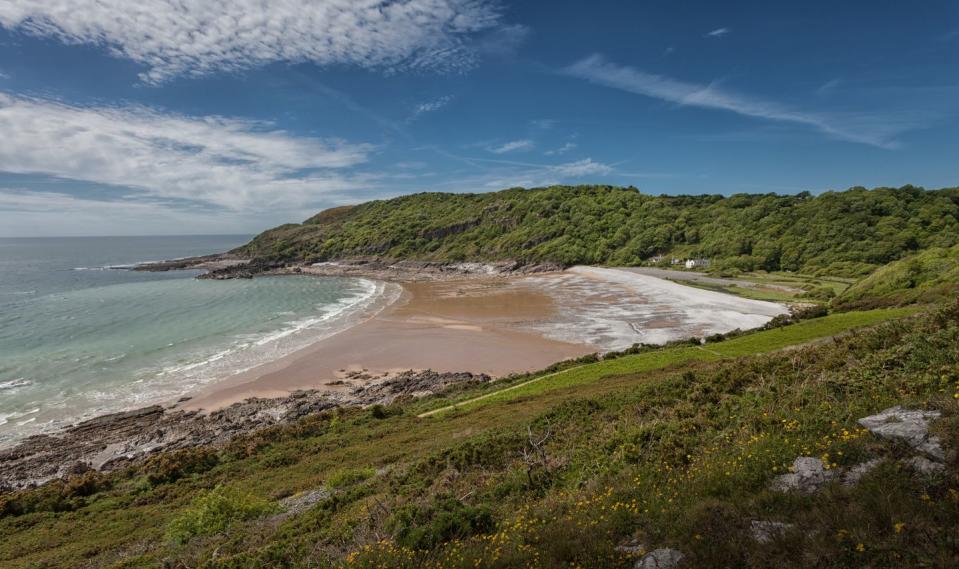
(847, 233)
(660, 447)
(928, 276)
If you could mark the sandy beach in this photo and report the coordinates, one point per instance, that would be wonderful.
(496, 326)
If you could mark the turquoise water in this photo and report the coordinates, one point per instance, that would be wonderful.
(78, 338)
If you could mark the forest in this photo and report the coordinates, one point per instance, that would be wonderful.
(845, 233)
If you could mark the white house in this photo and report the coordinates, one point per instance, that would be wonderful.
(694, 263)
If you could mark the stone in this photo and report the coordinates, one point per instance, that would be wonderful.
(808, 474)
(923, 465)
(631, 547)
(766, 531)
(299, 503)
(855, 473)
(910, 426)
(660, 559)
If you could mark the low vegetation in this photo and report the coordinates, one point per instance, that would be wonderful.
(677, 453)
(928, 276)
(846, 233)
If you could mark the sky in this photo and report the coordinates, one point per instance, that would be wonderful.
(233, 116)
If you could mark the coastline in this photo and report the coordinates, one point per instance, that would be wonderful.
(467, 323)
(480, 325)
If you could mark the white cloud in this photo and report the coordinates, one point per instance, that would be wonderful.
(197, 37)
(718, 32)
(580, 168)
(223, 162)
(862, 128)
(512, 146)
(30, 213)
(430, 106)
(562, 149)
(4, 75)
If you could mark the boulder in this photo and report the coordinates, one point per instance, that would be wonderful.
(808, 474)
(910, 426)
(660, 559)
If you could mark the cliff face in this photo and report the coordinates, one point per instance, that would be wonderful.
(846, 233)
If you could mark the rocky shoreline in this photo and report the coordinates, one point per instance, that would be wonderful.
(117, 440)
(229, 266)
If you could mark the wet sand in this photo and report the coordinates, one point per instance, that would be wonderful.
(475, 325)
(497, 326)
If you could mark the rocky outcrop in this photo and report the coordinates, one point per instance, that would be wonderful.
(908, 426)
(413, 384)
(855, 473)
(221, 261)
(807, 476)
(413, 271)
(660, 559)
(299, 503)
(112, 441)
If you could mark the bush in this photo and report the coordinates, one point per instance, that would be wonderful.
(215, 511)
(349, 477)
(446, 519)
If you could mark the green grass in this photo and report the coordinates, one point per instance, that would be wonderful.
(675, 452)
(755, 343)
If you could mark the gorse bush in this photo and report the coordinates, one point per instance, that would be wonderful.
(215, 511)
(445, 519)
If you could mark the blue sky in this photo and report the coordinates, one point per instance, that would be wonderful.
(218, 116)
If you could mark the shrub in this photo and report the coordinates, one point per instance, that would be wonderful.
(215, 511)
(349, 477)
(446, 519)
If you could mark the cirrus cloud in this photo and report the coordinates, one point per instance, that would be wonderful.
(229, 163)
(198, 37)
(859, 127)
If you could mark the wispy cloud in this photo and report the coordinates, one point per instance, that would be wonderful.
(4, 75)
(25, 213)
(429, 107)
(561, 150)
(862, 128)
(221, 162)
(580, 168)
(191, 37)
(718, 32)
(513, 146)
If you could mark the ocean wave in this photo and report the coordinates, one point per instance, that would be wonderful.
(353, 303)
(14, 384)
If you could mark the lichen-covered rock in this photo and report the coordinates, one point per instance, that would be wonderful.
(808, 474)
(923, 465)
(299, 503)
(855, 473)
(660, 559)
(910, 426)
(763, 531)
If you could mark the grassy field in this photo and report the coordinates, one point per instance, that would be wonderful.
(777, 286)
(759, 342)
(664, 446)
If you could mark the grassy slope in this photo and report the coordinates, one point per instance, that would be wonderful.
(669, 453)
(842, 233)
(757, 343)
(928, 276)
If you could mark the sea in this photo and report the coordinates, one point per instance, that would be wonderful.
(82, 335)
